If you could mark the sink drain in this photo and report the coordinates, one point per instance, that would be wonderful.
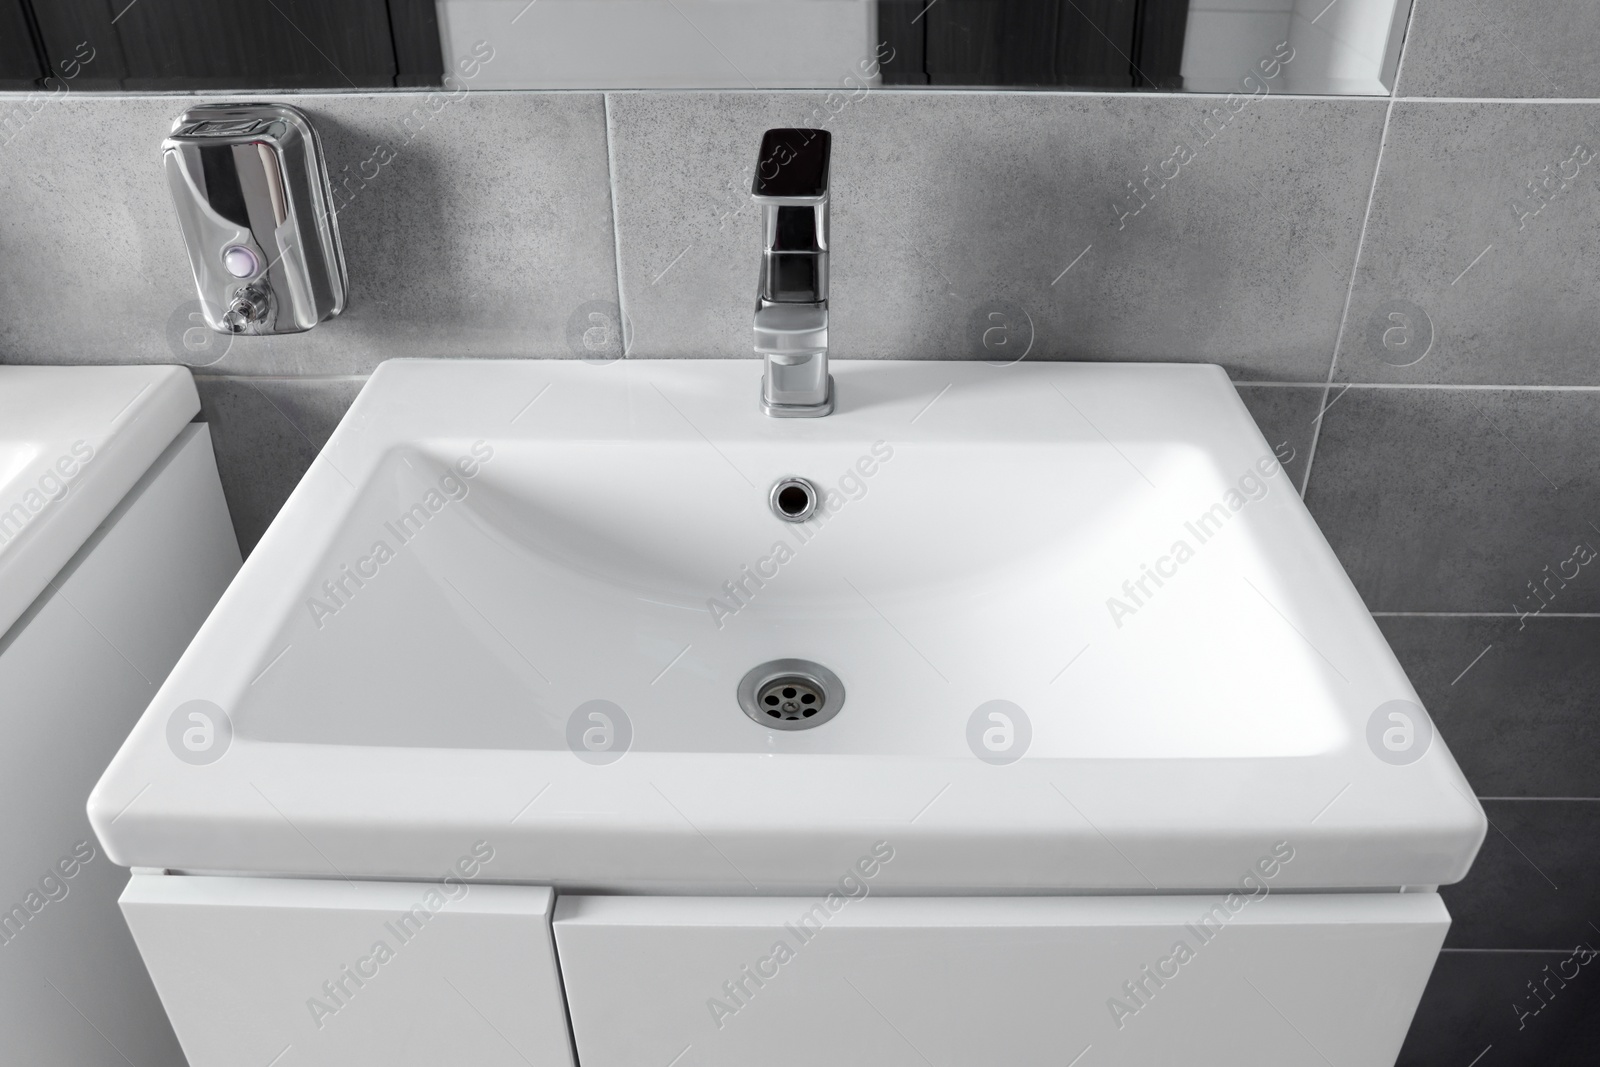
(791, 694)
(793, 499)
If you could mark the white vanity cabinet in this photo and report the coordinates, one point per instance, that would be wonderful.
(1024, 982)
(294, 973)
(290, 972)
(115, 543)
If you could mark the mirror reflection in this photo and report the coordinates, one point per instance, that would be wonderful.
(1213, 46)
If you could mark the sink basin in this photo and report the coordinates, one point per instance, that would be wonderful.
(1087, 635)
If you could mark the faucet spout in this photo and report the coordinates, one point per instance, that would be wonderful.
(791, 316)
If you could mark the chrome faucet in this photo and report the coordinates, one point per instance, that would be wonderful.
(791, 323)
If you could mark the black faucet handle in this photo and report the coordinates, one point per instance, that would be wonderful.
(793, 163)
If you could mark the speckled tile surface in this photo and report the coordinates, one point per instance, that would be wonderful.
(1287, 417)
(484, 236)
(1469, 274)
(267, 433)
(947, 209)
(1446, 500)
(1505, 48)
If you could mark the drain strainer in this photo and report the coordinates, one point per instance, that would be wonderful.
(791, 694)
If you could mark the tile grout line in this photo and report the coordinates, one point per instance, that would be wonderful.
(1564, 800)
(1591, 100)
(1483, 614)
(616, 224)
(1461, 386)
(1355, 266)
(1564, 952)
(1400, 60)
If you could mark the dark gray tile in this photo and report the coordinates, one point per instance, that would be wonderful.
(266, 433)
(1515, 699)
(1536, 881)
(1459, 280)
(1504, 48)
(1478, 1011)
(484, 235)
(949, 206)
(1457, 499)
(1287, 416)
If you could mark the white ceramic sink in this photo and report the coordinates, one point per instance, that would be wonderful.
(388, 704)
(73, 440)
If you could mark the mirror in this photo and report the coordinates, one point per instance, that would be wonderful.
(1215, 46)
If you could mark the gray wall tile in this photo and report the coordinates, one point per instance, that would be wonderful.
(1502, 48)
(1457, 499)
(1514, 699)
(1523, 313)
(267, 432)
(1286, 415)
(482, 237)
(949, 205)
(1536, 881)
(1479, 1001)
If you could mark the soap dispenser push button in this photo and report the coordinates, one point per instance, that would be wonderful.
(241, 262)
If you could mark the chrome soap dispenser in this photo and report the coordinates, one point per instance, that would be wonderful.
(253, 199)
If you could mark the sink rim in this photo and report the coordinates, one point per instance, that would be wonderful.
(371, 812)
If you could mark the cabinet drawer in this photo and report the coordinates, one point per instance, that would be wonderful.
(792, 982)
(289, 972)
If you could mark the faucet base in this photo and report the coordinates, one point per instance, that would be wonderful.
(798, 411)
